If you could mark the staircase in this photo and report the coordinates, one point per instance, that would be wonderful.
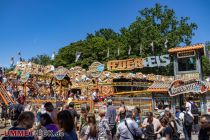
(5, 96)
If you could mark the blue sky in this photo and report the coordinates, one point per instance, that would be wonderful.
(43, 26)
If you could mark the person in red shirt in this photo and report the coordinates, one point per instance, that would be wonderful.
(21, 98)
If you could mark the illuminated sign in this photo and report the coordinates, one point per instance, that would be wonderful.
(133, 63)
(191, 86)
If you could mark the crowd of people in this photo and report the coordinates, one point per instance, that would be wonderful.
(109, 123)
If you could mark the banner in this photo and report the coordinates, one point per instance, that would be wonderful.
(191, 86)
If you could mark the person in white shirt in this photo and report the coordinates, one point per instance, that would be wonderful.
(94, 95)
(189, 104)
(155, 122)
(193, 109)
(28, 107)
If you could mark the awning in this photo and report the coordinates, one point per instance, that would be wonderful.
(159, 86)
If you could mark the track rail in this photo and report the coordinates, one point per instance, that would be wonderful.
(6, 98)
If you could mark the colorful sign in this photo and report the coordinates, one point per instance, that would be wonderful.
(60, 73)
(191, 86)
(133, 63)
(96, 69)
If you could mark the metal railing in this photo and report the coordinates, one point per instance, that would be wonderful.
(4, 95)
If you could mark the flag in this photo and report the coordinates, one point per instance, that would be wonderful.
(12, 61)
(53, 56)
(19, 53)
(20, 58)
(140, 49)
(129, 50)
(166, 43)
(107, 52)
(152, 45)
(118, 51)
(78, 54)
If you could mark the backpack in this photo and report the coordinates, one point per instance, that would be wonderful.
(194, 108)
(149, 132)
(188, 119)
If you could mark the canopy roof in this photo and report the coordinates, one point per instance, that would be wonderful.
(159, 86)
(187, 48)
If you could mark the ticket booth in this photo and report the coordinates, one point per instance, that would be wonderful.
(187, 72)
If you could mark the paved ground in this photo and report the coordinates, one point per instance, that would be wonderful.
(194, 137)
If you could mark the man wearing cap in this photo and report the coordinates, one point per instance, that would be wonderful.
(111, 116)
(156, 113)
(163, 113)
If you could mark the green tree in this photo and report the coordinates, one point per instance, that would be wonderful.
(66, 55)
(41, 60)
(105, 33)
(206, 66)
(94, 48)
(7, 70)
(156, 25)
(206, 61)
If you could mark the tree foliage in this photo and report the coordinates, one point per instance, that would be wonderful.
(206, 66)
(156, 25)
(206, 61)
(41, 60)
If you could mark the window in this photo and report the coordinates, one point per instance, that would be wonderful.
(187, 64)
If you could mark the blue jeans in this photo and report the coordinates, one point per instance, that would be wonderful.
(187, 132)
(195, 127)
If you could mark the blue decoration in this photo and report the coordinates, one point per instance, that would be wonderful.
(100, 68)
